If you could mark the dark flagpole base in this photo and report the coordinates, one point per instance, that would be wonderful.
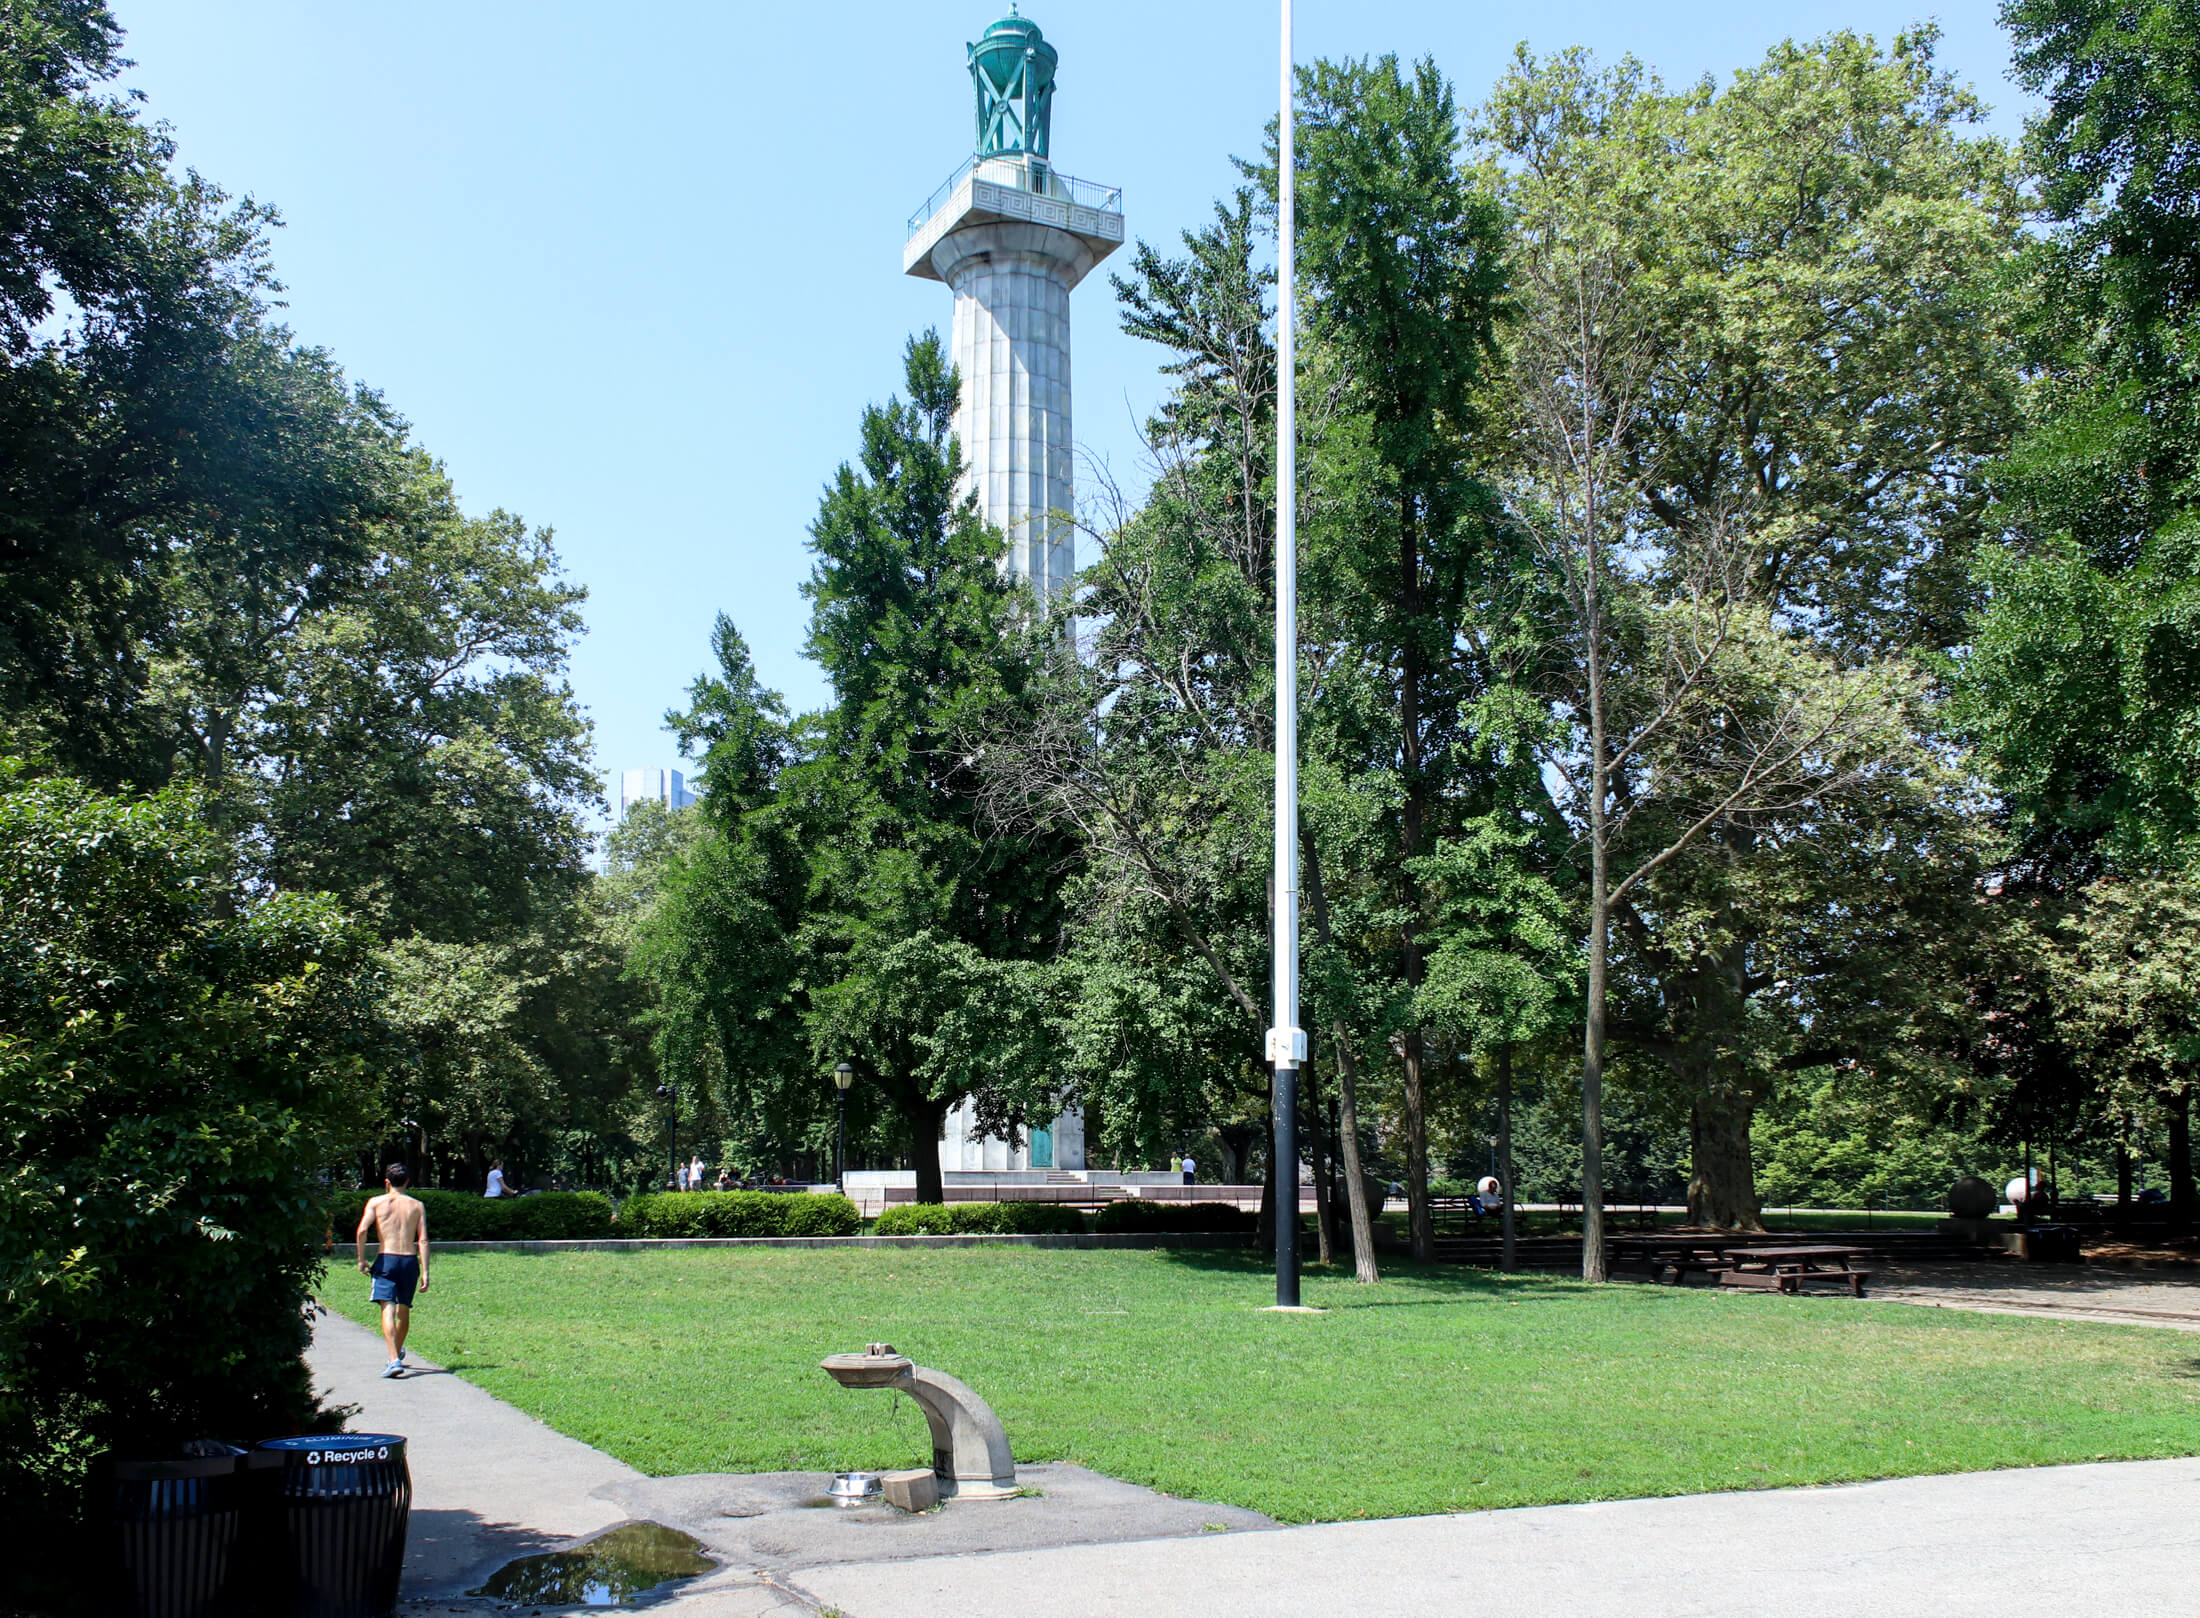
(1287, 1186)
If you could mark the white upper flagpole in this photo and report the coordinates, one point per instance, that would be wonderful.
(1286, 1042)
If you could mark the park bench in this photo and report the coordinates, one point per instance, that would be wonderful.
(1467, 1211)
(1793, 1269)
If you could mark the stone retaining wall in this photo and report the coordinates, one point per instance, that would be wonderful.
(1168, 1238)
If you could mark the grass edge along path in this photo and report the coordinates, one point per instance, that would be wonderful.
(1440, 1390)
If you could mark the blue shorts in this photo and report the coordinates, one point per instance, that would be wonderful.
(395, 1277)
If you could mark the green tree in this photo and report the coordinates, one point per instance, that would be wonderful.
(2081, 682)
(1402, 258)
(1756, 358)
(2127, 984)
(175, 1070)
(850, 902)
(932, 934)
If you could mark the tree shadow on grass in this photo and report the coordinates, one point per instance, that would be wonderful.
(1449, 1282)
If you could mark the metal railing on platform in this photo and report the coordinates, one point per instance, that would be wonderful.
(1022, 174)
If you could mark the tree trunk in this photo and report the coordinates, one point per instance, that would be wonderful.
(1506, 1256)
(1722, 1184)
(1412, 833)
(1348, 1112)
(927, 1120)
(1317, 1144)
(1592, 1092)
(2181, 1198)
(2123, 1167)
(1235, 1144)
(1420, 1220)
(1600, 908)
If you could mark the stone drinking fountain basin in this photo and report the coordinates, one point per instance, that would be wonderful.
(969, 1450)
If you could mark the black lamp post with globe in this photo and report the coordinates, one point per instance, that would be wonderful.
(843, 1076)
(671, 1098)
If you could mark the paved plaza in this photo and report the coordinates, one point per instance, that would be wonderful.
(492, 1484)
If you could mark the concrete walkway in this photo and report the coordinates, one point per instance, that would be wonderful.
(491, 1484)
(2131, 1297)
(2037, 1544)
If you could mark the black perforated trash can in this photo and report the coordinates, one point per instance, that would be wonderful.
(178, 1523)
(343, 1500)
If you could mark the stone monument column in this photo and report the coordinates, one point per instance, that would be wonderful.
(1013, 237)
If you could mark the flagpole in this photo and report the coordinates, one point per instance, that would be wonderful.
(1286, 1041)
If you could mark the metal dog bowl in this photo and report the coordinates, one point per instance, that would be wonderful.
(854, 1489)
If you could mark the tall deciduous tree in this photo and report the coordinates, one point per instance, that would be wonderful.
(1748, 483)
(2081, 685)
(1401, 257)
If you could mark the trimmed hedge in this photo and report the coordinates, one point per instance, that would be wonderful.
(916, 1219)
(981, 1219)
(738, 1213)
(460, 1216)
(1205, 1218)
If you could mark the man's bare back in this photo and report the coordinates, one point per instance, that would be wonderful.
(400, 1224)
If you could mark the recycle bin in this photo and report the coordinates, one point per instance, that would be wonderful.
(179, 1522)
(343, 1500)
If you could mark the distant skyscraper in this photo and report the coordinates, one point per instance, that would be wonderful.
(667, 787)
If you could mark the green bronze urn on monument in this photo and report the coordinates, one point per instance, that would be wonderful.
(1012, 69)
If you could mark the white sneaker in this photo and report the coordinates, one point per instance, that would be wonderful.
(394, 1368)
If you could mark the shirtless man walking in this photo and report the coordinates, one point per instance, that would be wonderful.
(400, 1224)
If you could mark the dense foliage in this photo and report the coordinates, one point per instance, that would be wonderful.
(980, 1219)
(464, 1216)
(738, 1213)
(177, 1062)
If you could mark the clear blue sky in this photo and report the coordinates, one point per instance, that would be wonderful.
(632, 271)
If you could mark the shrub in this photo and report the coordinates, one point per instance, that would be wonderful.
(738, 1213)
(981, 1219)
(817, 1215)
(557, 1216)
(1205, 1218)
(177, 1060)
(460, 1216)
(915, 1219)
(1035, 1219)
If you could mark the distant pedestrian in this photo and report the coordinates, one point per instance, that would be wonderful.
(497, 1185)
(400, 1266)
(1190, 1168)
(695, 1174)
(724, 1182)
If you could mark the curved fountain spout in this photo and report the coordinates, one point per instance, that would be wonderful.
(969, 1449)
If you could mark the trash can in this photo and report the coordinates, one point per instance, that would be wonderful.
(2053, 1244)
(178, 1521)
(343, 1499)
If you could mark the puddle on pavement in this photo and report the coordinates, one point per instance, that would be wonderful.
(611, 1570)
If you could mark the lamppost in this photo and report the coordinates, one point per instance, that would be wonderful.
(671, 1098)
(843, 1076)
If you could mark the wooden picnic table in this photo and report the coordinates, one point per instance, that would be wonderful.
(1792, 1269)
(1683, 1255)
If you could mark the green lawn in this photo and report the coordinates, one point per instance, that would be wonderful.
(1440, 1390)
